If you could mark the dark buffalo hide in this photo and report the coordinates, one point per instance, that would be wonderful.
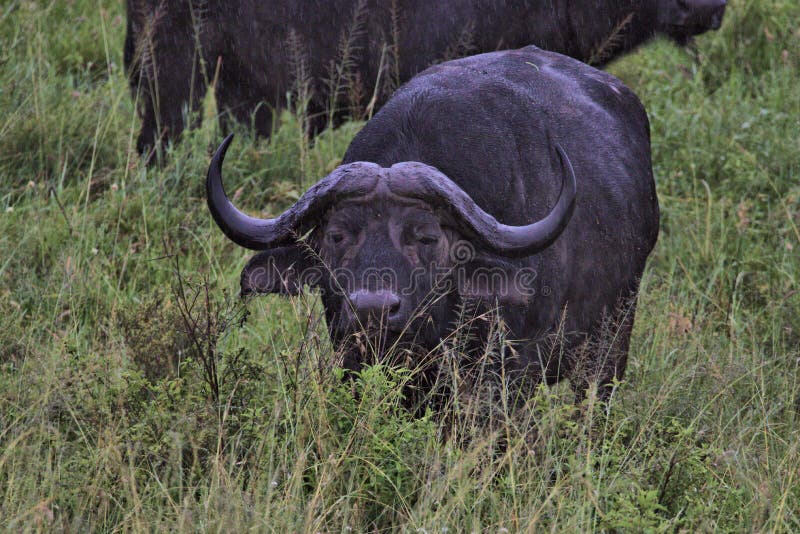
(349, 55)
(520, 180)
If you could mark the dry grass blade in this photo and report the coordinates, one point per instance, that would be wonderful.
(604, 50)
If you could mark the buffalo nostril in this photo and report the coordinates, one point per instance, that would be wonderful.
(393, 304)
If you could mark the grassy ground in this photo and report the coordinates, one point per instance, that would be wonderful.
(113, 416)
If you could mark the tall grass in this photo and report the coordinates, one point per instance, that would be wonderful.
(109, 419)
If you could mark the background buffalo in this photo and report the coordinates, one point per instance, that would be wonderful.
(340, 58)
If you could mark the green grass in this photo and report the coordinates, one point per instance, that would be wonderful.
(108, 421)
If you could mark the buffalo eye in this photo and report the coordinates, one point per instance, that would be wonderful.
(336, 237)
(423, 235)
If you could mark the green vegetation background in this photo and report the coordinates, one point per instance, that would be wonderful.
(109, 419)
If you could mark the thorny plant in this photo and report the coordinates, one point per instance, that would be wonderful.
(206, 322)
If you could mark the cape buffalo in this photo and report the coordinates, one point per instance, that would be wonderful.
(519, 179)
(350, 55)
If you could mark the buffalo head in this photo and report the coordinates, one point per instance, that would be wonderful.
(382, 244)
(683, 19)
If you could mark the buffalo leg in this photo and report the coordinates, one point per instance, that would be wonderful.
(168, 77)
(602, 359)
(238, 99)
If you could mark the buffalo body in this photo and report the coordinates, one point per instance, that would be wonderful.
(479, 169)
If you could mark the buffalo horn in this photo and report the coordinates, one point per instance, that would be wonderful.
(260, 234)
(422, 182)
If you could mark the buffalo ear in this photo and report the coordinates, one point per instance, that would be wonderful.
(281, 270)
(489, 278)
